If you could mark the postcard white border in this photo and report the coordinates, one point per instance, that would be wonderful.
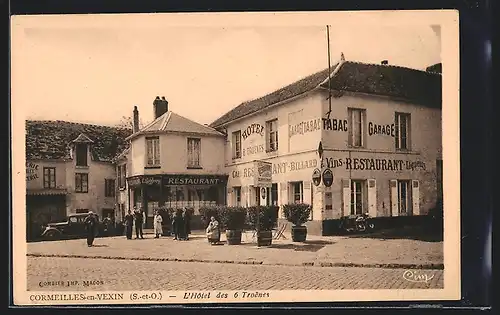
(447, 19)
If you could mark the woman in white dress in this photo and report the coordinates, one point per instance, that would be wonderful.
(158, 220)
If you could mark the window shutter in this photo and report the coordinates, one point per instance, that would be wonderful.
(415, 193)
(394, 197)
(346, 196)
(372, 198)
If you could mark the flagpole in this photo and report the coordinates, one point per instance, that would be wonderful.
(329, 74)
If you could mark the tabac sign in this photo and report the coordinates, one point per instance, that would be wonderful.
(263, 174)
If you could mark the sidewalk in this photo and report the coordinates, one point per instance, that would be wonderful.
(318, 251)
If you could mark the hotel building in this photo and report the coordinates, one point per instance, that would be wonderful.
(366, 141)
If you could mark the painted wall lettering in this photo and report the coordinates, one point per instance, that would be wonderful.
(305, 127)
(331, 163)
(31, 171)
(253, 149)
(300, 165)
(279, 168)
(387, 130)
(252, 129)
(334, 124)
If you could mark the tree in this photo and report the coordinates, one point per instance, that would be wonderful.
(128, 122)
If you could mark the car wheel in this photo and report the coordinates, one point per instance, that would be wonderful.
(51, 235)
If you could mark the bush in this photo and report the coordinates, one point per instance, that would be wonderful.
(211, 211)
(268, 217)
(233, 218)
(297, 213)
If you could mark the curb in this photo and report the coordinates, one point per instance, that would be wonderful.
(251, 262)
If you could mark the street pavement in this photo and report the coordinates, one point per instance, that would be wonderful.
(316, 251)
(44, 273)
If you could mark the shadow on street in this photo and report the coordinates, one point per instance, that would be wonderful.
(418, 233)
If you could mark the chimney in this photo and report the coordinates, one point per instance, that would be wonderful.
(135, 123)
(385, 62)
(160, 106)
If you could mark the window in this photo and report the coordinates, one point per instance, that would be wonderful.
(404, 197)
(82, 210)
(402, 131)
(109, 187)
(237, 196)
(49, 177)
(122, 175)
(81, 154)
(297, 192)
(272, 195)
(237, 144)
(153, 151)
(357, 196)
(194, 152)
(82, 182)
(272, 135)
(356, 127)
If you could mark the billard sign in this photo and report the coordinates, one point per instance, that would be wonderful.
(316, 177)
(327, 177)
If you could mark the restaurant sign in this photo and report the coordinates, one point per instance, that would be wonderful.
(144, 180)
(263, 174)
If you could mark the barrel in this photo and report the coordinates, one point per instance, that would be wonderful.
(264, 238)
(233, 237)
(299, 233)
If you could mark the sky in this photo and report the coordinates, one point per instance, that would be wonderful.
(85, 70)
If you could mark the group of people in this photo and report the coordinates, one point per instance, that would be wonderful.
(130, 218)
(181, 226)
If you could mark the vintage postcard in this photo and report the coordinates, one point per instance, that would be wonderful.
(235, 157)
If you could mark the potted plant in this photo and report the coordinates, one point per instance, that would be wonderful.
(297, 214)
(233, 220)
(263, 219)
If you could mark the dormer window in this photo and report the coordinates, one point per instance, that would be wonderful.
(81, 150)
(81, 147)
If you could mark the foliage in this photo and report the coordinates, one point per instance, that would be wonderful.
(233, 218)
(297, 213)
(268, 217)
(128, 123)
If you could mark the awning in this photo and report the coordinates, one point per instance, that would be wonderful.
(46, 192)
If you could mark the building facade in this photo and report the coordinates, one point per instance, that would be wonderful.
(69, 170)
(171, 162)
(366, 141)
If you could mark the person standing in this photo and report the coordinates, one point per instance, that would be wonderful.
(91, 227)
(129, 222)
(187, 223)
(213, 231)
(177, 224)
(138, 223)
(158, 220)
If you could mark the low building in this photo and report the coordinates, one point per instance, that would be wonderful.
(376, 150)
(172, 162)
(69, 170)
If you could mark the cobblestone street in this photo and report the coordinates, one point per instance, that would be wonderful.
(103, 274)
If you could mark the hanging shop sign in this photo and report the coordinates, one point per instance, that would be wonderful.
(31, 171)
(316, 177)
(327, 177)
(252, 129)
(263, 193)
(263, 172)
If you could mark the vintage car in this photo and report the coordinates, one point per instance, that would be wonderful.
(72, 228)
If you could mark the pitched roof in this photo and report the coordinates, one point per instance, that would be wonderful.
(172, 122)
(387, 80)
(50, 140)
